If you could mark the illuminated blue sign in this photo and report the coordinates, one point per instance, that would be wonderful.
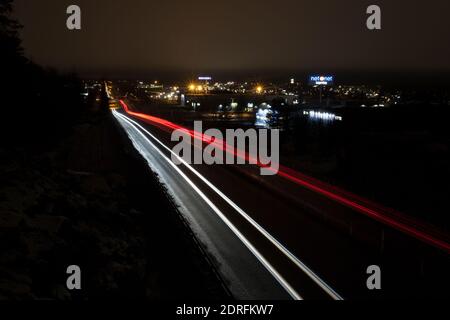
(321, 80)
(204, 78)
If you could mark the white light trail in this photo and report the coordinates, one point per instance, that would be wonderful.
(311, 274)
(232, 227)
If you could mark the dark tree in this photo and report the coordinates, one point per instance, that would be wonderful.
(11, 52)
(36, 103)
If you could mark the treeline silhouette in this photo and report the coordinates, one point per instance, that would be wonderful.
(37, 104)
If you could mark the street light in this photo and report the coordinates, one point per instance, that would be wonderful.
(259, 89)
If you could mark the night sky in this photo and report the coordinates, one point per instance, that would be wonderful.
(139, 37)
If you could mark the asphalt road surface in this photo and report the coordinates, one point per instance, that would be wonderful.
(270, 238)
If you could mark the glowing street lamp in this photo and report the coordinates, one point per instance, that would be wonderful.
(259, 89)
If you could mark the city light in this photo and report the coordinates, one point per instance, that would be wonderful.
(326, 116)
(321, 80)
(263, 117)
(259, 89)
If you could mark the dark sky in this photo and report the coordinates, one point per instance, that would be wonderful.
(126, 37)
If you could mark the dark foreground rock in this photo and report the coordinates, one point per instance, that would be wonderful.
(94, 203)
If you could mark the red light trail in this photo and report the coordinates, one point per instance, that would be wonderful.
(386, 216)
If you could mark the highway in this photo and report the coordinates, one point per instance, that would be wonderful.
(274, 238)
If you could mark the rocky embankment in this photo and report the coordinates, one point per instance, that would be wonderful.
(93, 202)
